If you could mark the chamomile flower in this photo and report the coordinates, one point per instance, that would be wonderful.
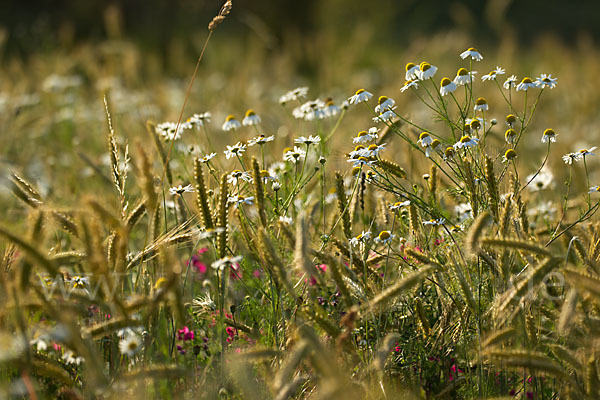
(372, 150)
(435, 222)
(549, 136)
(237, 175)
(385, 237)
(360, 96)
(449, 153)
(365, 137)
(473, 53)
(384, 103)
(481, 104)
(543, 180)
(231, 123)
(385, 116)
(239, 200)
(207, 157)
(587, 152)
(511, 120)
(169, 130)
(425, 139)
(277, 169)
(546, 81)
(510, 136)
(235, 150)
(594, 189)
(40, 343)
(526, 84)
(70, 358)
(510, 82)
(411, 71)
(463, 211)
(180, 190)
(435, 146)
(408, 84)
(294, 155)
(360, 161)
(251, 118)
(570, 157)
(463, 76)
(361, 238)
(285, 220)
(331, 110)
(493, 74)
(465, 142)
(308, 140)
(210, 233)
(447, 86)
(293, 95)
(509, 155)
(130, 344)
(198, 120)
(426, 71)
(260, 140)
(399, 204)
(225, 262)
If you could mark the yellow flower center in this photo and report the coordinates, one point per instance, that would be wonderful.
(359, 91)
(424, 66)
(475, 124)
(287, 149)
(510, 133)
(424, 135)
(549, 132)
(446, 82)
(372, 147)
(230, 117)
(471, 49)
(362, 133)
(359, 147)
(382, 99)
(384, 235)
(250, 113)
(355, 171)
(526, 80)
(465, 139)
(462, 72)
(409, 66)
(480, 101)
(511, 119)
(361, 158)
(329, 103)
(510, 154)
(435, 143)
(449, 152)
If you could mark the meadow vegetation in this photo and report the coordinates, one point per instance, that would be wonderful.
(415, 224)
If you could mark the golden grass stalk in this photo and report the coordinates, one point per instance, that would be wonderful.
(274, 260)
(65, 222)
(343, 206)
(403, 285)
(293, 360)
(583, 281)
(568, 313)
(147, 178)
(259, 192)
(392, 168)
(499, 336)
(135, 215)
(432, 183)
(472, 241)
(422, 317)
(492, 185)
(222, 217)
(30, 251)
(384, 350)
(24, 191)
(528, 359)
(202, 195)
(516, 244)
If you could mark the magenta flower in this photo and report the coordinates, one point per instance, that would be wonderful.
(185, 334)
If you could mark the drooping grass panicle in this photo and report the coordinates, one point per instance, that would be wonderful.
(516, 244)
(25, 191)
(475, 234)
(492, 186)
(222, 216)
(147, 177)
(343, 206)
(202, 195)
(392, 168)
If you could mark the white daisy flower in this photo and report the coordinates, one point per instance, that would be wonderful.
(365, 137)
(231, 123)
(260, 140)
(436, 222)
(408, 84)
(169, 130)
(466, 141)
(435, 146)
(207, 158)
(510, 82)
(69, 358)
(509, 155)
(411, 71)
(40, 343)
(543, 180)
(294, 155)
(546, 209)
(251, 118)
(237, 175)
(511, 120)
(570, 157)
(425, 139)
(130, 345)
(285, 220)
(383, 104)
(549, 136)
(360, 161)
(198, 120)
(181, 190)
(239, 200)
(277, 169)
(385, 116)
(210, 233)
(447, 86)
(526, 83)
(293, 95)
(331, 110)
(510, 136)
(308, 140)
(473, 53)
(225, 262)
(481, 104)
(426, 71)
(463, 211)
(372, 150)
(587, 152)
(493, 74)
(399, 204)
(546, 81)
(385, 237)
(361, 238)
(463, 76)
(360, 96)
(593, 189)
(235, 150)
